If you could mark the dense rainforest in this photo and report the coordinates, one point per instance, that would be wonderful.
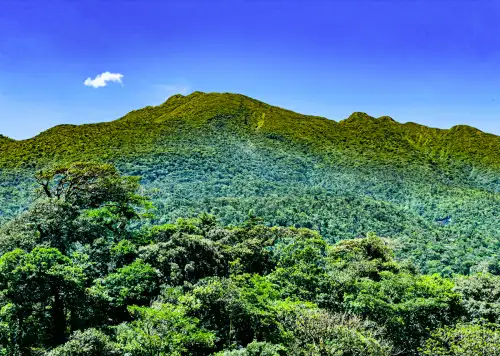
(86, 270)
(435, 192)
(215, 224)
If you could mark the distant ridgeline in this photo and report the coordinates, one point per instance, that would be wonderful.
(435, 192)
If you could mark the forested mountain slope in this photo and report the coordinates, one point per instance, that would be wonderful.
(436, 192)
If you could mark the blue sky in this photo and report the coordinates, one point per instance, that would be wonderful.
(431, 62)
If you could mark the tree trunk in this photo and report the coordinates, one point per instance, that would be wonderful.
(58, 334)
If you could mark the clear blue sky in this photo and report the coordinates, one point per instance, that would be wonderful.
(434, 62)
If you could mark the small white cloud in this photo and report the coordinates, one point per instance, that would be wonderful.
(102, 79)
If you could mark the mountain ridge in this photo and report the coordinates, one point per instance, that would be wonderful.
(177, 100)
(361, 137)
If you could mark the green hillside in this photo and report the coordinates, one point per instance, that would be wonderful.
(435, 192)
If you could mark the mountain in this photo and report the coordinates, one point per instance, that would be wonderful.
(435, 192)
(5, 139)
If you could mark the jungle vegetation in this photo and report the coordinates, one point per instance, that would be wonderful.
(87, 270)
(434, 192)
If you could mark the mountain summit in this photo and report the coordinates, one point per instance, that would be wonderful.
(200, 113)
(5, 138)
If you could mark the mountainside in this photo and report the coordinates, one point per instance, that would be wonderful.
(436, 192)
(4, 139)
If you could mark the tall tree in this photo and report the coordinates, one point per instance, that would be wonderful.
(41, 289)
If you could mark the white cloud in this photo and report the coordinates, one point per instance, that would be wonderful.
(102, 79)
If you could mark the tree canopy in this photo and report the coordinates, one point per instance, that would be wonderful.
(86, 270)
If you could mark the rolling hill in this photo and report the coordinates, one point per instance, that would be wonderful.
(435, 192)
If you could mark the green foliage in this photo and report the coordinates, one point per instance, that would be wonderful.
(366, 258)
(237, 309)
(94, 275)
(163, 329)
(38, 290)
(256, 349)
(319, 333)
(136, 283)
(184, 258)
(464, 340)
(301, 268)
(434, 191)
(481, 296)
(91, 342)
(407, 305)
(123, 252)
(49, 222)
(86, 185)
